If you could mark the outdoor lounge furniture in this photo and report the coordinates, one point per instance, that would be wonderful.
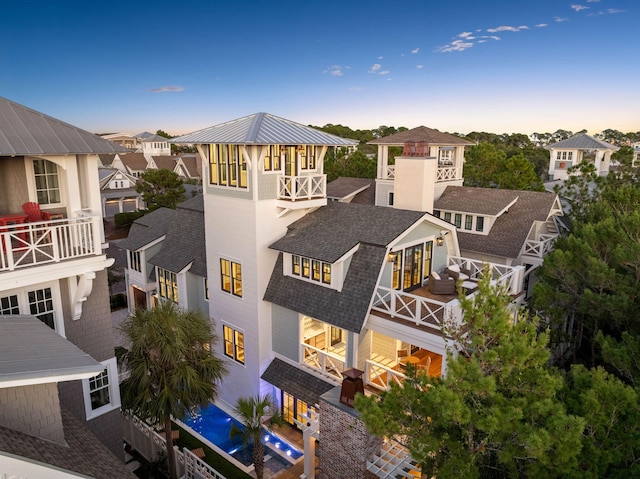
(441, 284)
(458, 273)
(32, 210)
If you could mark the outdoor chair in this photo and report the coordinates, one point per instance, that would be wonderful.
(441, 284)
(32, 210)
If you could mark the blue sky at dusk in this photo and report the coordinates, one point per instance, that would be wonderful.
(497, 66)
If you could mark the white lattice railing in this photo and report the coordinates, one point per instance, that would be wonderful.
(323, 361)
(52, 241)
(414, 308)
(381, 377)
(541, 247)
(509, 277)
(302, 187)
(390, 174)
(447, 173)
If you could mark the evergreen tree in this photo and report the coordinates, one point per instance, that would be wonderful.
(161, 188)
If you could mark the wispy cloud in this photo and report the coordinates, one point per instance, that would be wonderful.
(578, 8)
(419, 67)
(415, 50)
(335, 70)
(167, 88)
(376, 68)
(541, 25)
(355, 88)
(454, 46)
(593, 1)
(506, 28)
(560, 19)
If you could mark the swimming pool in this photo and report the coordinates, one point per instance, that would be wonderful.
(213, 424)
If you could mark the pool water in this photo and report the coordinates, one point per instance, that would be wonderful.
(214, 424)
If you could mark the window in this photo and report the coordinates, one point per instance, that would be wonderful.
(314, 270)
(307, 157)
(206, 289)
(47, 183)
(233, 344)
(101, 392)
(134, 261)
(480, 223)
(294, 408)
(272, 158)
(168, 285)
(9, 305)
(468, 222)
(447, 216)
(397, 268)
(231, 277)
(565, 155)
(391, 199)
(436, 213)
(445, 156)
(458, 220)
(41, 306)
(227, 166)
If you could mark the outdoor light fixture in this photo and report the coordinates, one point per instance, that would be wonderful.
(390, 257)
(439, 240)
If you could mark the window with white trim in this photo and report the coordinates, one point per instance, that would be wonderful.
(42, 302)
(233, 343)
(272, 158)
(311, 269)
(167, 285)
(134, 261)
(101, 392)
(227, 166)
(47, 181)
(564, 155)
(231, 277)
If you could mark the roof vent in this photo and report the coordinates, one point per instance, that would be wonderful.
(351, 384)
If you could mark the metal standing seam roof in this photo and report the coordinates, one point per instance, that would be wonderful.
(421, 133)
(582, 142)
(24, 131)
(263, 129)
(32, 352)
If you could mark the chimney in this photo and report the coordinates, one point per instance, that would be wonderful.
(415, 178)
(351, 384)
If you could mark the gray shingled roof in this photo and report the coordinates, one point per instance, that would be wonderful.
(134, 161)
(421, 133)
(343, 187)
(301, 384)
(185, 241)
(24, 131)
(582, 142)
(147, 229)
(31, 351)
(263, 129)
(331, 231)
(165, 161)
(479, 201)
(511, 229)
(83, 453)
(346, 309)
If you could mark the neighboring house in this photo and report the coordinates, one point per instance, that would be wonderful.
(508, 227)
(54, 268)
(420, 142)
(150, 144)
(118, 192)
(636, 155)
(579, 149)
(352, 190)
(159, 162)
(302, 289)
(133, 164)
(189, 166)
(143, 242)
(125, 140)
(106, 160)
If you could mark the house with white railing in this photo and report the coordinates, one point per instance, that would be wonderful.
(53, 268)
(577, 150)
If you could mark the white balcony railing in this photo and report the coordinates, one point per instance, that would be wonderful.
(33, 244)
(510, 278)
(326, 362)
(447, 173)
(539, 248)
(381, 377)
(390, 174)
(302, 187)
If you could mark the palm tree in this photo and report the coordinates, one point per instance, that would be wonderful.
(171, 368)
(252, 412)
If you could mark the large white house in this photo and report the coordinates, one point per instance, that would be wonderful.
(58, 372)
(576, 150)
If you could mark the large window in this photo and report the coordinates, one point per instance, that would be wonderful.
(233, 343)
(312, 269)
(272, 158)
(411, 266)
(41, 305)
(564, 155)
(47, 182)
(227, 166)
(458, 220)
(307, 157)
(468, 222)
(168, 285)
(9, 305)
(480, 223)
(293, 408)
(445, 156)
(101, 392)
(231, 277)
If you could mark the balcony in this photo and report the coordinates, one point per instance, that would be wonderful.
(423, 308)
(326, 362)
(443, 173)
(295, 188)
(539, 248)
(34, 244)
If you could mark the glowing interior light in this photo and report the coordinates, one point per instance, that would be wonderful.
(289, 452)
(266, 438)
(277, 445)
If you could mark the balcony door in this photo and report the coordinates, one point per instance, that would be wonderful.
(412, 277)
(290, 163)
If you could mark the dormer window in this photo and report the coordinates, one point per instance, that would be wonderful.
(311, 269)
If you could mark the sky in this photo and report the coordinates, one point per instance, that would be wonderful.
(500, 66)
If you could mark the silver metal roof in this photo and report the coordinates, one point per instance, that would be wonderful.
(33, 353)
(263, 129)
(24, 131)
(582, 142)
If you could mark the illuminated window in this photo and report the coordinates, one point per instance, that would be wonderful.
(231, 277)
(233, 344)
(314, 270)
(227, 166)
(167, 285)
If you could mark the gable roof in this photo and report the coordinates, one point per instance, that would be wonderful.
(192, 164)
(582, 142)
(147, 229)
(357, 190)
(165, 162)
(332, 230)
(185, 240)
(134, 161)
(263, 129)
(511, 229)
(106, 159)
(421, 133)
(24, 131)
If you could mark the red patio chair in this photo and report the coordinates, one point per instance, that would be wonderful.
(32, 210)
